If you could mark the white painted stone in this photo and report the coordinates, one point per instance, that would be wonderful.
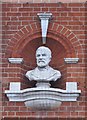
(44, 17)
(15, 86)
(15, 60)
(43, 84)
(43, 98)
(43, 73)
(71, 86)
(71, 60)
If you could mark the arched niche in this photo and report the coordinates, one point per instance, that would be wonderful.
(28, 39)
(58, 55)
(33, 31)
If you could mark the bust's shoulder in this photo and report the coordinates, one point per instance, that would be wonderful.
(55, 72)
(28, 72)
(31, 71)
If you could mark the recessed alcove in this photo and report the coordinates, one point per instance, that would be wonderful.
(57, 62)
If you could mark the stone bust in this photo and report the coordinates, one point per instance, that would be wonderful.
(43, 72)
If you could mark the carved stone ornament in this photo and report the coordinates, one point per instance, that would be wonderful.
(44, 17)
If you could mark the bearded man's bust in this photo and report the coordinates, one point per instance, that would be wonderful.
(43, 72)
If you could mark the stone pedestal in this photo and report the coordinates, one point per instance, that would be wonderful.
(43, 97)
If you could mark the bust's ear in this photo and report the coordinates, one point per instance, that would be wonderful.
(50, 58)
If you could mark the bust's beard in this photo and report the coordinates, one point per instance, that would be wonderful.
(41, 64)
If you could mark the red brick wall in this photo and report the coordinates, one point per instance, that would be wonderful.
(0, 61)
(86, 59)
(44, 1)
(66, 37)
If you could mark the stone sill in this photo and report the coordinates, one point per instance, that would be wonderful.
(43, 118)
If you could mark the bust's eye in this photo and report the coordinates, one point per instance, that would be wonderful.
(38, 55)
(43, 54)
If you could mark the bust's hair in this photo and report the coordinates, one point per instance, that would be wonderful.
(46, 49)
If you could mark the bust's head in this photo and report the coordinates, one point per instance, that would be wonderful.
(43, 56)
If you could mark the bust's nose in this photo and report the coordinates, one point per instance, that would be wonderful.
(40, 57)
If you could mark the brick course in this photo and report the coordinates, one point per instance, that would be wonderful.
(44, 1)
(66, 37)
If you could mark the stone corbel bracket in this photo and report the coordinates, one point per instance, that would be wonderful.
(44, 17)
(71, 60)
(15, 60)
(42, 98)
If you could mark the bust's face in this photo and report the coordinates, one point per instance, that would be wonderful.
(43, 58)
